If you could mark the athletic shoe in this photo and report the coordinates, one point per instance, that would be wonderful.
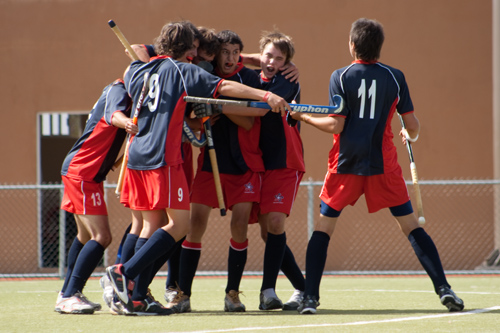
(294, 301)
(170, 294)
(116, 308)
(232, 302)
(150, 307)
(96, 306)
(180, 304)
(58, 300)
(121, 285)
(269, 300)
(308, 305)
(74, 305)
(107, 288)
(450, 300)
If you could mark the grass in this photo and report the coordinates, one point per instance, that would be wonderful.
(348, 304)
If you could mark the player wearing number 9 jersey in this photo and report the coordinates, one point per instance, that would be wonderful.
(154, 182)
(83, 170)
(363, 159)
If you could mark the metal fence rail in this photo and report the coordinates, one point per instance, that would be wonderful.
(462, 218)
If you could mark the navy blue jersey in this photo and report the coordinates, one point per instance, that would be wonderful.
(237, 149)
(95, 152)
(372, 92)
(161, 117)
(280, 143)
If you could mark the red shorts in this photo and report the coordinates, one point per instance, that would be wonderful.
(381, 191)
(279, 190)
(235, 188)
(187, 166)
(83, 198)
(161, 188)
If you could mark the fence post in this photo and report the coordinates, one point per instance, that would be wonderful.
(62, 238)
(310, 208)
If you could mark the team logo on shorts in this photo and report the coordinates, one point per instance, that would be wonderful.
(278, 198)
(249, 188)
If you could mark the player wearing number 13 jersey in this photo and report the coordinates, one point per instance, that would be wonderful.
(363, 159)
(83, 170)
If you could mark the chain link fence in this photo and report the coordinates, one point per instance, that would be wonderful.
(461, 218)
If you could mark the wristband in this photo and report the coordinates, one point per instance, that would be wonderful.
(407, 137)
(266, 96)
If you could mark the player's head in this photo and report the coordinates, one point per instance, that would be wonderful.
(176, 39)
(209, 46)
(230, 49)
(366, 39)
(276, 50)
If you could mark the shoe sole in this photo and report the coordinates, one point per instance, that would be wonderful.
(238, 309)
(451, 304)
(308, 311)
(122, 295)
(90, 311)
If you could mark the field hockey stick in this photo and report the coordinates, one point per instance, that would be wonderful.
(306, 108)
(138, 107)
(188, 133)
(122, 39)
(414, 177)
(215, 167)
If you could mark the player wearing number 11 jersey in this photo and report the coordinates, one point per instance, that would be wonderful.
(363, 159)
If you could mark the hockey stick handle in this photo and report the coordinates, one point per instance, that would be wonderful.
(414, 178)
(215, 167)
(122, 39)
(307, 108)
(144, 92)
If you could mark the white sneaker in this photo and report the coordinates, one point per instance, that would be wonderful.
(170, 294)
(294, 301)
(59, 299)
(74, 305)
(108, 291)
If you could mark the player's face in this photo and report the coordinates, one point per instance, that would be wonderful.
(271, 59)
(203, 56)
(228, 58)
(191, 53)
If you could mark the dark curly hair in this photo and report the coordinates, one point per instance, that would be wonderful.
(175, 39)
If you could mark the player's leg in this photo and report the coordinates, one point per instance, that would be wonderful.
(427, 254)
(316, 257)
(273, 258)
(189, 257)
(96, 229)
(237, 256)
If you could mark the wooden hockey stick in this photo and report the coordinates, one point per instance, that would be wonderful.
(122, 39)
(414, 177)
(144, 92)
(307, 108)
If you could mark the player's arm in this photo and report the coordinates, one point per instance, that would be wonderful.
(291, 72)
(252, 59)
(142, 52)
(412, 127)
(238, 90)
(122, 121)
(331, 124)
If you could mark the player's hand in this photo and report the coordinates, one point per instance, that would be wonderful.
(405, 137)
(278, 104)
(289, 119)
(202, 110)
(140, 51)
(131, 128)
(291, 72)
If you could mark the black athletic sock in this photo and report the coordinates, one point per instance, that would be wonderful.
(128, 248)
(236, 262)
(74, 250)
(292, 271)
(188, 265)
(315, 262)
(427, 254)
(157, 245)
(273, 258)
(143, 279)
(158, 264)
(173, 265)
(87, 261)
(120, 247)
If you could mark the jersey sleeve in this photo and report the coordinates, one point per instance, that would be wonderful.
(117, 100)
(405, 103)
(335, 88)
(200, 83)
